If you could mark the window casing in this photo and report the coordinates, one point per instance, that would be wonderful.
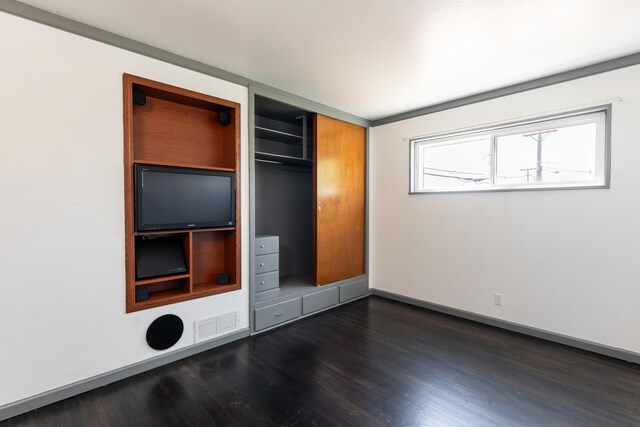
(565, 151)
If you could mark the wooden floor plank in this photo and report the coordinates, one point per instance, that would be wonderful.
(373, 362)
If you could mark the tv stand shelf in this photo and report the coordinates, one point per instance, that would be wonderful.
(200, 230)
(184, 165)
(168, 126)
(214, 288)
(143, 282)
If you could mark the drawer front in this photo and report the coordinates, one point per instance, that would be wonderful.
(277, 313)
(266, 263)
(267, 245)
(319, 300)
(353, 290)
(267, 281)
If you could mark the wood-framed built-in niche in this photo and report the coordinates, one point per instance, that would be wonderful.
(172, 126)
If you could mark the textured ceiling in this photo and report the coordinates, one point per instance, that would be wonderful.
(375, 58)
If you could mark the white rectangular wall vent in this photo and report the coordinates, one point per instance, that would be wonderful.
(227, 322)
(210, 327)
(206, 328)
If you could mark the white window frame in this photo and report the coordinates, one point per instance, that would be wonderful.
(600, 115)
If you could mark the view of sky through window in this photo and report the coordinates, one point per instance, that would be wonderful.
(566, 154)
(457, 164)
(562, 151)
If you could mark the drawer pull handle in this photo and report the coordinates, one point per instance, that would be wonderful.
(262, 282)
(262, 264)
(262, 246)
(279, 314)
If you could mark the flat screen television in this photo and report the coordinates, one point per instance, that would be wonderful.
(173, 198)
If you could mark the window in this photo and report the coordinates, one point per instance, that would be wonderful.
(564, 151)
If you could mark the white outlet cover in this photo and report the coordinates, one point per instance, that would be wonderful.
(498, 299)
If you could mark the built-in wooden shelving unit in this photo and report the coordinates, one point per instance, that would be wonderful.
(178, 127)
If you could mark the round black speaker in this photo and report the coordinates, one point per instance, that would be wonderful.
(164, 332)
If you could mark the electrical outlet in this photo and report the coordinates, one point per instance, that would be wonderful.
(497, 299)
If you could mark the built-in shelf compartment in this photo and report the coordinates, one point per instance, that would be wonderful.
(284, 137)
(208, 252)
(177, 127)
(167, 291)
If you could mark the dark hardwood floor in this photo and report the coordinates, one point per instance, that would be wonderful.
(372, 362)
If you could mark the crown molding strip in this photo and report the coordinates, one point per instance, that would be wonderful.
(40, 16)
(578, 73)
(32, 13)
(305, 104)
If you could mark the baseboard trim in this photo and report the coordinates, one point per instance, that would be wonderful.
(605, 350)
(58, 394)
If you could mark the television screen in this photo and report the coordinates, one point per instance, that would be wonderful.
(173, 198)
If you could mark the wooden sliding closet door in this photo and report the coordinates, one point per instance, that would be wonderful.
(339, 185)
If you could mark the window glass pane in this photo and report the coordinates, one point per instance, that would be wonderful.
(559, 154)
(565, 151)
(455, 164)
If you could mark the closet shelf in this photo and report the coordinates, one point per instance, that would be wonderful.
(272, 134)
(285, 160)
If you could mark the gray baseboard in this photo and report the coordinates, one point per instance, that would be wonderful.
(58, 394)
(47, 398)
(617, 353)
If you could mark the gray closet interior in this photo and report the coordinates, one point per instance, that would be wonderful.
(284, 188)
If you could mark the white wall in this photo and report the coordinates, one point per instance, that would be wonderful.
(62, 274)
(566, 261)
